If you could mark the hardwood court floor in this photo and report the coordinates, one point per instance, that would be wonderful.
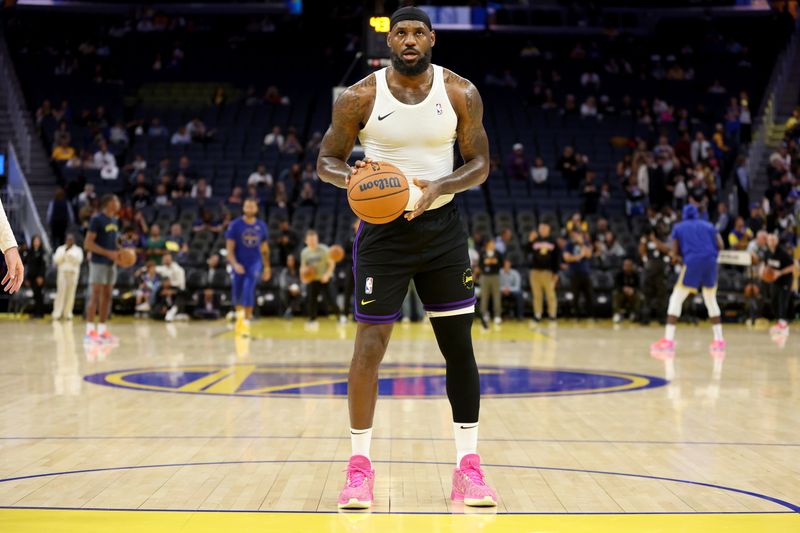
(581, 430)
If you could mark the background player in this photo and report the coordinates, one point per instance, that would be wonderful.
(101, 242)
(781, 262)
(410, 115)
(316, 257)
(697, 244)
(248, 255)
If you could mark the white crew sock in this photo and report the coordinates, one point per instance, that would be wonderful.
(466, 435)
(360, 440)
(717, 329)
(669, 332)
(90, 327)
(101, 328)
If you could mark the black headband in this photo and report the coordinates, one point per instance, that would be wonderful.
(410, 13)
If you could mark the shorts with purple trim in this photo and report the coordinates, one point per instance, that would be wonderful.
(432, 250)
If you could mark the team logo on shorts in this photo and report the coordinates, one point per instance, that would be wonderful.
(439, 110)
(466, 279)
(368, 286)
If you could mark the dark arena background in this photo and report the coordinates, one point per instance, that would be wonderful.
(605, 120)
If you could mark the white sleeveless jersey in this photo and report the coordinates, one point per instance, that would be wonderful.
(418, 139)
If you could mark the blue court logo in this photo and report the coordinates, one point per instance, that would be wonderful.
(396, 381)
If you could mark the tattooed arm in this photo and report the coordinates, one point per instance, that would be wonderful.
(350, 112)
(472, 142)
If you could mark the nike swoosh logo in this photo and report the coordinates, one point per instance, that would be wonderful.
(469, 427)
(384, 116)
(365, 302)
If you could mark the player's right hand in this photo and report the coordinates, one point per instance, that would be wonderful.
(359, 164)
(238, 268)
(114, 256)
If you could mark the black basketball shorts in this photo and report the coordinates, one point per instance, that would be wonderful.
(430, 249)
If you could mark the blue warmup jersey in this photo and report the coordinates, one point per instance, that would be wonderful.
(248, 239)
(698, 246)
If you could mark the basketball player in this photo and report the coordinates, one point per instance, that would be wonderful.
(101, 241)
(410, 114)
(697, 244)
(248, 255)
(15, 272)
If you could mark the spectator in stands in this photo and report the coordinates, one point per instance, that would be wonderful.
(201, 189)
(307, 197)
(568, 166)
(62, 152)
(281, 199)
(140, 197)
(544, 262)
(162, 195)
(43, 112)
(742, 185)
(68, 259)
(589, 108)
(185, 167)
(103, 157)
(198, 131)
(138, 165)
(148, 282)
(539, 172)
(489, 267)
(627, 295)
(608, 246)
(219, 97)
(701, 149)
(181, 188)
(175, 243)
(635, 198)
(155, 246)
(310, 173)
(260, 177)
(274, 138)
(577, 254)
(754, 286)
(504, 241)
(287, 241)
(181, 136)
(165, 301)
(511, 288)
(590, 195)
(740, 236)
(723, 223)
(577, 223)
(157, 129)
(207, 222)
(289, 285)
(292, 144)
(236, 197)
(171, 271)
(35, 269)
(118, 135)
(59, 216)
(208, 305)
(518, 166)
(312, 146)
(315, 257)
(214, 267)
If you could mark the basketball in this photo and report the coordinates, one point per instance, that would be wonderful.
(307, 274)
(336, 253)
(378, 193)
(769, 274)
(126, 257)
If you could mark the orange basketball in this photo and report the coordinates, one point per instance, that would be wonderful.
(378, 193)
(336, 253)
(126, 257)
(307, 274)
(769, 274)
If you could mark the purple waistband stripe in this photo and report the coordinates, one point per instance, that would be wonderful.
(451, 306)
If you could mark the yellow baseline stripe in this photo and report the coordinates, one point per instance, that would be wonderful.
(53, 521)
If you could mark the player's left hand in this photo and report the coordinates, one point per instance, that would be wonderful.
(325, 278)
(266, 274)
(430, 192)
(16, 272)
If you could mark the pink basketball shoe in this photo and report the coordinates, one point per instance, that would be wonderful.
(469, 486)
(663, 349)
(357, 491)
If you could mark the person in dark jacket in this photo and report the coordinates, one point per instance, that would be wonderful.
(36, 267)
(59, 217)
(627, 294)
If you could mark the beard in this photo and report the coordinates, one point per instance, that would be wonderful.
(411, 69)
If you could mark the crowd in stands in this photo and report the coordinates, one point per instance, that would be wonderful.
(557, 223)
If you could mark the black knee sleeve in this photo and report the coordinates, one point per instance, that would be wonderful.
(454, 336)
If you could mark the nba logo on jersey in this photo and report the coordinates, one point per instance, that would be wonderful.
(368, 286)
(439, 109)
